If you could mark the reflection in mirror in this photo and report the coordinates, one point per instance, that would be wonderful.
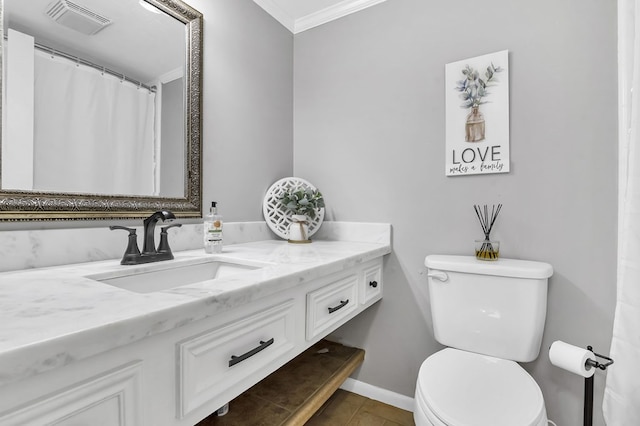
(91, 131)
(100, 105)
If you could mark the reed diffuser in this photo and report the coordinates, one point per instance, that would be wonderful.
(487, 249)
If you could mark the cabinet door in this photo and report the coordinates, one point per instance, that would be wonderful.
(372, 284)
(330, 304)
(215, 361)
(110, 399)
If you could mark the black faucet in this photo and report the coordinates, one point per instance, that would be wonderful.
(132, 255)
(150, 227)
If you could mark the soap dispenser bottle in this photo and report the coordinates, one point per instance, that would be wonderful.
(213, 230)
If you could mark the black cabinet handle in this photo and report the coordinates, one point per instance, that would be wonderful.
(237, 359)
(342, 304)
(373, 284)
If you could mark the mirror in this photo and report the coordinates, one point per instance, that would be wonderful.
(100, 109)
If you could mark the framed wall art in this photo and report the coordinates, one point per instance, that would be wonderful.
(477, 115)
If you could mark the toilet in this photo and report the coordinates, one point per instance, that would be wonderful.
(490, 315)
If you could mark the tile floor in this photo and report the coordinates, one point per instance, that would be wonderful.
(342, 409)
(349, 409)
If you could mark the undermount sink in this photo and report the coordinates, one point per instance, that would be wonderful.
(162, 276)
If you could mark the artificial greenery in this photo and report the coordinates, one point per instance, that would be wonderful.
(473, 88)
(302, 201)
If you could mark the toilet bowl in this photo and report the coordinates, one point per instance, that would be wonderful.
(459, 388)
(491, 316)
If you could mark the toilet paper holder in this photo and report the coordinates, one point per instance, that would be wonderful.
(595, 364)
(588, 385)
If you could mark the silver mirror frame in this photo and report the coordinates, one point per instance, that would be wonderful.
(37, 206)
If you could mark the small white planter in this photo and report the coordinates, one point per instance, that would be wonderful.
(299, 229)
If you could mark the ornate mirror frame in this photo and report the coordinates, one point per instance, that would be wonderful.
(29, 206)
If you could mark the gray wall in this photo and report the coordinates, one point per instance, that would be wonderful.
(369, 133)
(247, 106)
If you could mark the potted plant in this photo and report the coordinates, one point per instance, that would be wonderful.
(302, 203)
(472, 90)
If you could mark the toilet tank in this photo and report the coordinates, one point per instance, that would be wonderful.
(496, 308)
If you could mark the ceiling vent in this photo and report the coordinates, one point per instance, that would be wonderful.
(76, 17)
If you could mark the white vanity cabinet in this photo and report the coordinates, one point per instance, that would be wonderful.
(218, 363)
(112, 389)
(108, 398)
(230, 356)
(331, 304)
(179, 376)
(371, 283)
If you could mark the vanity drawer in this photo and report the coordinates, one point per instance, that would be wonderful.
(371, 288)
(330, 304)
(213, 362)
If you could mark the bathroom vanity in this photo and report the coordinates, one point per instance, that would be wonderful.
(169, 343)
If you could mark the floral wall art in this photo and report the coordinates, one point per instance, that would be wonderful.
(477, 115)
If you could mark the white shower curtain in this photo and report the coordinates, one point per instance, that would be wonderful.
(622, 393)
(93, 133)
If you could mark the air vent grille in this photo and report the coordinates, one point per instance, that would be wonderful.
(76, 17)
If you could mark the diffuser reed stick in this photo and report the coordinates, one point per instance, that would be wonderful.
(487, 250)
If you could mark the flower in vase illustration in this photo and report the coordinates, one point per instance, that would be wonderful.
(472, 90)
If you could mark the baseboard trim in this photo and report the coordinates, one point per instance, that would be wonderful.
(373, 392)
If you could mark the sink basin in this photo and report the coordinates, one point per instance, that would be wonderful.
(161, 276)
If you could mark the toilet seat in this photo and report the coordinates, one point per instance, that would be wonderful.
(459, 388)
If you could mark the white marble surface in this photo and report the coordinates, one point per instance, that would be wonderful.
(51, 316)
(40, 248)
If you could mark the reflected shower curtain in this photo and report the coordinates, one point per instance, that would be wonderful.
(622, 393)
(93, 133)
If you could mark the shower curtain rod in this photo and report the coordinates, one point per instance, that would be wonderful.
(92, 65)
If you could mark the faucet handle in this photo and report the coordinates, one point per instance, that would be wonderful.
(163, 247)
(132, 253)
(175, 225)
(132, 231)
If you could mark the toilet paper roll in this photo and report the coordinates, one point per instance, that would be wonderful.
(571, 358)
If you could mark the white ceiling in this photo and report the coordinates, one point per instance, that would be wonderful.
(301, 15)
(129, 45)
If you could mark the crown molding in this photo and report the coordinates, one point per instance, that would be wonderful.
(281, 15)
(343, 8)
(331, 13)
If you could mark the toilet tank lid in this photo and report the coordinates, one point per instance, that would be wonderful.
(501, 267)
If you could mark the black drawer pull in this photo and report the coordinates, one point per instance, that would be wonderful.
(373, 284)
(237, 359)
(342, 304)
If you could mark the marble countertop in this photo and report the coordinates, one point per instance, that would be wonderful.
(56, 315)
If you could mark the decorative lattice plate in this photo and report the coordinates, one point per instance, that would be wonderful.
(277, 217)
